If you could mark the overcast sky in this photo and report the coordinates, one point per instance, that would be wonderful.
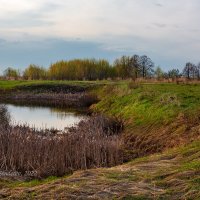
(44, 31)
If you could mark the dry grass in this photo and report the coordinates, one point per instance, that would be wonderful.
(72, 100)
(167, 176)
(93, 143)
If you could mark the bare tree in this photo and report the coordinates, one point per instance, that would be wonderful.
(198, 71)
(174, 73)
(135, 66)
(146, 65)
(189, 70)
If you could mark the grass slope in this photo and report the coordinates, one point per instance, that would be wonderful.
(149, 103)
(156, 116)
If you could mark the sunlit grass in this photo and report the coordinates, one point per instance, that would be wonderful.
(150, 103)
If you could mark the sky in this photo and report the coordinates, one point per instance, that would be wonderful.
(45, 31)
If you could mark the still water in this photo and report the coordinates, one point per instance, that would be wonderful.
(43, 117)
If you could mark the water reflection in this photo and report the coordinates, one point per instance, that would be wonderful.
(44, 117)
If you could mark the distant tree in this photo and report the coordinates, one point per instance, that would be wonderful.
(123, 67)
(135, 66)
(189, 70)
(11, 73)
(130, 67)
(103, 69)
(35, 72)
(159, 73)
(198, 71)
(81, 69)
(174, 73)
(194, 71)
(146, 65)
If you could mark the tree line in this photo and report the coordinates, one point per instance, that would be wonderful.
(125, 67)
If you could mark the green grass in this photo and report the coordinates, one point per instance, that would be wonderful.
(7, 85)
(31, 183)
(149, 103)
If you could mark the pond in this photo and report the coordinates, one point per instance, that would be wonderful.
(44, 117)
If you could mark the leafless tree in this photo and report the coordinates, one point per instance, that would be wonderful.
(135, 65)
(146, 65)
(198, 71)
(189, 70)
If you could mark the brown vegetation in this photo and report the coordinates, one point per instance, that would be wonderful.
(81, 99)
(152, 139)
(168, 176)
(93, 143)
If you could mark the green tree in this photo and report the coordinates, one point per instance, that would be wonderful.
(11, 73)
(34, 72)
(159, 73)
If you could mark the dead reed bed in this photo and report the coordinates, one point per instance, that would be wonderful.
(80, 99)
(95, 142)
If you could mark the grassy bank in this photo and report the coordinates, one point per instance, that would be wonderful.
(48, 93)
(148, 103)
(156, 116)
(162, 130)
(12, 85)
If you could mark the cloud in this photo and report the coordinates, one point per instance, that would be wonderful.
(135, 26)
(20, 54)
(159, 4)
(159, 25)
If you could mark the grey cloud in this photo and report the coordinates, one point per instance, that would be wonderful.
(22, 21)
(50, 7)
(167, 53)
(20, 54)
(162, 29)
(159, 4)
(33, 18)
(160, 25)
(195, 30)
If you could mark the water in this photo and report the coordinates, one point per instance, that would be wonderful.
(43, 117)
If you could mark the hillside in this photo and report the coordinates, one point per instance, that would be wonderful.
(156, 116)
